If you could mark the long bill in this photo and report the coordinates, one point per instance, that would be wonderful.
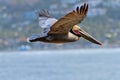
(89, 37)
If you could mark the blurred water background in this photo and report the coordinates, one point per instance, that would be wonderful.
(83, 64)
(81, 60)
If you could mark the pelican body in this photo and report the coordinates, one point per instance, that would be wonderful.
(63, 30)
(58, 38)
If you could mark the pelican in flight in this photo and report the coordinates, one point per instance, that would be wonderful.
(63, 30)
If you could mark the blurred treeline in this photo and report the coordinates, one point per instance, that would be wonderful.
(19, 18)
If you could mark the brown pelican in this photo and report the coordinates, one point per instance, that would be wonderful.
(63, 30)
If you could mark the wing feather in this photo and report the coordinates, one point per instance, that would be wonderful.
(45, 19)
(45, 13)
(64, 24)
(45, 22)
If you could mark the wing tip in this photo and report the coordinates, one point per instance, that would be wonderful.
(44, 13)
(82, 9)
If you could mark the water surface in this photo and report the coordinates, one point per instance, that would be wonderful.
(95, 64)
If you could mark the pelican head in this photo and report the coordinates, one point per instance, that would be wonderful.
(81, 33)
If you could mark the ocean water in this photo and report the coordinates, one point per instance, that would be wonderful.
(86, 64)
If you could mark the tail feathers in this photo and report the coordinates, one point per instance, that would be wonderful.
(33, 38)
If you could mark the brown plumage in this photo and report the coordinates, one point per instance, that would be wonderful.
(64, 24)
(65, 29)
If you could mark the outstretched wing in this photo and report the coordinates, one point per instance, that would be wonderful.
(63, 25)
(45, 22)
(45, 19)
